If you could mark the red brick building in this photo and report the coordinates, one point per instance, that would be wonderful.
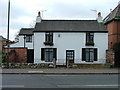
(112, 22)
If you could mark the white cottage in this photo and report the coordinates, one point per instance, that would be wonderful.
(79, 41)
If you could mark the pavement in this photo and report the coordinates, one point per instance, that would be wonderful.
(62, 71)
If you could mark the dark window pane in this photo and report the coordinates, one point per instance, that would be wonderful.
(89, 54)
(49, 37)
(89, 37)
(83, 54)
(29, 38)
(47, 54)
(95, 54)
(55, 53)
(42, 54)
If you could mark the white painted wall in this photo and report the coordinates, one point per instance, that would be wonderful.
(29, 45)
(71, 41)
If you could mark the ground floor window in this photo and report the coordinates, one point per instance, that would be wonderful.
(48, 54)
(89, 54)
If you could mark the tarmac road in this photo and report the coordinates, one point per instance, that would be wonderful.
(59, 81)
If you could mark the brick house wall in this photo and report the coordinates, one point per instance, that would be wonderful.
(17, 55)
(113, 33)
(110, 57)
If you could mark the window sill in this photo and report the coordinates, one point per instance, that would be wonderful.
(49, 43)
(28, 42)
(89, 61)
(90, 44)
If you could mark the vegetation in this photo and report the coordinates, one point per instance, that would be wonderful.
(3, 58)
(0, 56)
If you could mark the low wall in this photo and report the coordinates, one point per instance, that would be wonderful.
(110, 56)
(16, 55)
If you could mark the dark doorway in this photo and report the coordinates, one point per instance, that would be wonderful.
(70, 56)
(30, 56)
(117, 59)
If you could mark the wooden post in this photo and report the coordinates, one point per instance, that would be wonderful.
(54, 62)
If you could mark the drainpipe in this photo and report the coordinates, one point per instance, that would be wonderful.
(24, 41)
(117, 31)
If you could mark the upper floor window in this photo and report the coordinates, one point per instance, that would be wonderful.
(90, 38)
(28, 38)
(48, 38)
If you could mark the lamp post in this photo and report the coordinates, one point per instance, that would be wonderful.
(8, 22)
(8, 32)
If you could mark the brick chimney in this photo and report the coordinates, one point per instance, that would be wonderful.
(38, 19)
(99, 18)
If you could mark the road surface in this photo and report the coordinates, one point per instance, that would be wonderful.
(60, 81)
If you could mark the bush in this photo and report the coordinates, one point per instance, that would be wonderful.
(4, 58)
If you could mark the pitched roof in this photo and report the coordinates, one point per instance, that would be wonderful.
(114, 15)
(26, 31)
(69, 26)
(2, 38)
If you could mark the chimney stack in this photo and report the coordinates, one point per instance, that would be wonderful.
(99, 18)
(38, 19)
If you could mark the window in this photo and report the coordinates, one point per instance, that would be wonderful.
(89, 54)
(90, 38)
(28, 38)
(47, 54)
(48, 38)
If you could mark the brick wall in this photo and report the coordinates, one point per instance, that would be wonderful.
(113, 33)
(110, 56)
(19, 55)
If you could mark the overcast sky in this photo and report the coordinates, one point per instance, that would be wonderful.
(24, 12)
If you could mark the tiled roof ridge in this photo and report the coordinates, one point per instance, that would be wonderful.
(116, 10)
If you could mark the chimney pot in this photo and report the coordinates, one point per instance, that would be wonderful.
(99, 18)
(99, 14)
(38, 19)
(39, 14)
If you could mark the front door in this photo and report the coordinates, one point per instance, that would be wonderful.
(117, 59)
(30, 56)
(69, 56)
